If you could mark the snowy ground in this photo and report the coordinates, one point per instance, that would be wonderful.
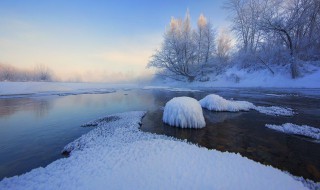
(21, 89)
(234, 77)
(117, 155)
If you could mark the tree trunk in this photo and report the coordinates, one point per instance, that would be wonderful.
(294, 68)
(191, 78)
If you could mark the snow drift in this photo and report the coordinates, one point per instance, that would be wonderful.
(303, 130)
(184, 112)
(215, 102)
(274, 110)
(117, 155)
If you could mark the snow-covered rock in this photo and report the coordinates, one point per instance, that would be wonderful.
(184, 112)
(303, 130)
(217, 103)
(117, 155)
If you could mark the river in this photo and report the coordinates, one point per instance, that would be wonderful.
(33, 130)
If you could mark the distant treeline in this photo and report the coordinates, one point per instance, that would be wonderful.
(38, 73)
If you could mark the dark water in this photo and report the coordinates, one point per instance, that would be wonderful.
(33, 131)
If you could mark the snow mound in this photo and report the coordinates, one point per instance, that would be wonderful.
(117, 155)
(217, 103)
(184, 112)
(303, 130)
(274, 110)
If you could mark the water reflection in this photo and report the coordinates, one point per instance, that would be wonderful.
(245, 132)
(38, 106)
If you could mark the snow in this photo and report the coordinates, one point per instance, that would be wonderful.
(22, 89)
(303, 130)
(274, 110)
(184, 112)
(169, 89)
(117, 155)
(235, 77)
(215, 102)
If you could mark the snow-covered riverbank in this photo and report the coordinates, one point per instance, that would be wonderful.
(117, 155)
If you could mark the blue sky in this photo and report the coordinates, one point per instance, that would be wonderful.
(92, 40)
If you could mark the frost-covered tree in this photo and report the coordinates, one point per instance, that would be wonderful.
(184, 50)
(42, 73)
(245, 15)
(204, 37)
(11, 73)
(288, 26)
(224, 45)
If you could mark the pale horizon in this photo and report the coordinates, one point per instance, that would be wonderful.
(92, 42)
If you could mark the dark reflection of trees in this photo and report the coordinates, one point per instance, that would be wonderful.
(9, 106)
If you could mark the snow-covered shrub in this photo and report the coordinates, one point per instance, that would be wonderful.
(217, 103)
(184, 112)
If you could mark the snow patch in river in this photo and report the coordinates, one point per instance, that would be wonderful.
(303, 130)
(215, 102)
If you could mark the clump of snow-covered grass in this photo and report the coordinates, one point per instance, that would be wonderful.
(215, 102)
(117, 155)
(184, 112)
(303, 130)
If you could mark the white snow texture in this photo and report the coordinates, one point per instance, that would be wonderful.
(215, 102)
(274, 110)
(303, 130)
(118, 155)
(184, 112)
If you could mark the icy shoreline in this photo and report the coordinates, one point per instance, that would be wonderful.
(117, 155)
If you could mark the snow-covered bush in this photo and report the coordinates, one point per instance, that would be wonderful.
(184, 112)
(217, 103)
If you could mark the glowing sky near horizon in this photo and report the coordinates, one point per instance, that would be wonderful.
(97, 40)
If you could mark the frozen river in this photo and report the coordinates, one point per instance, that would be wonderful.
(33, 130)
